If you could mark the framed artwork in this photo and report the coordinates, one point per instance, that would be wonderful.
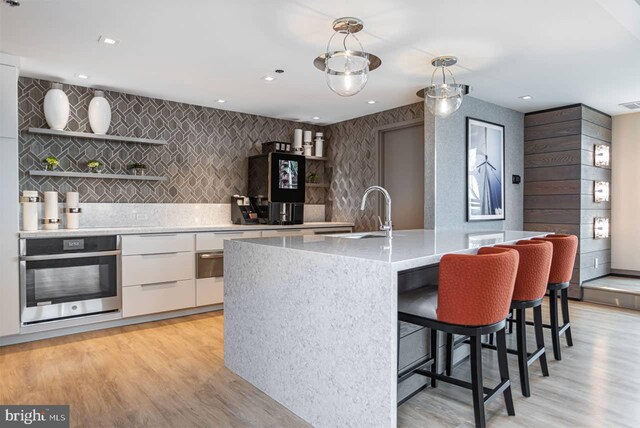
(485, 170)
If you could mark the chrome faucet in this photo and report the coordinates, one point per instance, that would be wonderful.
(387, 226)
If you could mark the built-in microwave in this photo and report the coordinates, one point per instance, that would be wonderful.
(64, 278)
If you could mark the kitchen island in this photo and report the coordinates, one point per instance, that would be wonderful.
(312, 320)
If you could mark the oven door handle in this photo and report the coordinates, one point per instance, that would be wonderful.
(69, 256)
(213, 255)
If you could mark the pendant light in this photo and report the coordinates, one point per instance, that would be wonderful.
(444, 98)
(346, 69)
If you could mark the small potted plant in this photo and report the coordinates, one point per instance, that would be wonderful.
(312, 177)
(94, 165)
(50, 163)
(138, 168)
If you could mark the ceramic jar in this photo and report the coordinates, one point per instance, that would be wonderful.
(99, 114)
(56, 107)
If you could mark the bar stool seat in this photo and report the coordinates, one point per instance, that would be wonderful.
(461, 307)
(423, 301)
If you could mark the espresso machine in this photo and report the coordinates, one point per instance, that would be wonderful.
(276, 187)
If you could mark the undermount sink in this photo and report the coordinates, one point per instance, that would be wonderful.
(363, 236)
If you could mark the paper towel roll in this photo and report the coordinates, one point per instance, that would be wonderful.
(51, 205)
(73, 199)
(297, 138)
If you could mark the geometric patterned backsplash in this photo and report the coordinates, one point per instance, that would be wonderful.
(205, 158)
(353, 163)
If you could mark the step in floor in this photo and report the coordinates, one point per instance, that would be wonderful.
(620, 291)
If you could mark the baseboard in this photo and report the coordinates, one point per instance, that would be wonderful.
(626, 273)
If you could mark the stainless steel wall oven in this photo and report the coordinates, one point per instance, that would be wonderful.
(62, 278)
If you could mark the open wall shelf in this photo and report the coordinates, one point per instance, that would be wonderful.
(88, 135)
(316, 184)
(68, 174)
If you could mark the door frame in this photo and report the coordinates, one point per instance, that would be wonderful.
(379, 143)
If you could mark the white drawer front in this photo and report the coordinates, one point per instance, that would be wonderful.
(151, 268)
(209, 291)
(157, 243)
(162, 297)
(286, 232)
(215, 240)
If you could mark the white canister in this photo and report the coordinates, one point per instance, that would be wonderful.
(297, 138)
(307, 137)
(50, 223)
(308, 150)
(72, 220)
(99, 114)
(29, 201)
(51, 205)
(72, 200)
(56, 107)
(319, 144)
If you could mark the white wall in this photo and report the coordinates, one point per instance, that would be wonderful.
(625, 194)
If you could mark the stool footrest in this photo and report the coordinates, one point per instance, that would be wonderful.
(489, 394)
(561, 330)
(409, 371)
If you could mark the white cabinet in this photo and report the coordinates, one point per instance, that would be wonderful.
(158, 273)
(161, 297)
(209, 291)
(157, 243)
(215, 240)
(286, 232)
(151, 268)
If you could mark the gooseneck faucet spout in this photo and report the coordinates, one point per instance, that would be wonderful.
(387, 226)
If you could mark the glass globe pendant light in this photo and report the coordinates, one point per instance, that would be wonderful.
(346, 69)
(444, 98)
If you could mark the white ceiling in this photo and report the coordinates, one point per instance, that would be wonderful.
(197, 51)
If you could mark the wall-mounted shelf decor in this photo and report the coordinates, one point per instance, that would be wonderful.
(316, 184)
(316, 158)
(68, 174)
(88, 135)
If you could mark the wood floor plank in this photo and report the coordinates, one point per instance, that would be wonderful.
(171, 374)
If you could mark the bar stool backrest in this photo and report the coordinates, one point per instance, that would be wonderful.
(475, 290)
(533, 269)
(565, 248)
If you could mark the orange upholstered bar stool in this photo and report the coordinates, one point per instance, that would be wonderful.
(473, 299)
(565, 248)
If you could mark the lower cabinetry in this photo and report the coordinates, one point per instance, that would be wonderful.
(159, 297)
(209, 291)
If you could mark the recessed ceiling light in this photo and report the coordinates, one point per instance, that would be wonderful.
(526, 97)
(82, 76)
(221, 101)
(371, 102)
(108, 40)
(316, 117)
(269, 78)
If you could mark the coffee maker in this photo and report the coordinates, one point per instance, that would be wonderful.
(276, 187)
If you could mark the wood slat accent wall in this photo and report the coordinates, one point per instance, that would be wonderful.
(558, 182)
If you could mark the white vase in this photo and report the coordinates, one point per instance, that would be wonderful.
(99, 114)
(56, 107)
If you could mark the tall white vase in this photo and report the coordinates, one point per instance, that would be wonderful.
(99, 114)
(56, 107)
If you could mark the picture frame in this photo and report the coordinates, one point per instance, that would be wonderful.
(485, 170)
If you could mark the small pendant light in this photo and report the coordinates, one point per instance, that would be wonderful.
(346, 70)
(444, 98)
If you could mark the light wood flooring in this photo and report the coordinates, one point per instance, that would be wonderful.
(171, 374)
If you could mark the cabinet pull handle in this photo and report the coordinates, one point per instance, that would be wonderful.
(158, 283)
(155, 235)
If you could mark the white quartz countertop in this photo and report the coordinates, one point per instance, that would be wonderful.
(407, 249)
(95, 231)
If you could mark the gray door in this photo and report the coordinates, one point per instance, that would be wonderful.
(402, 174)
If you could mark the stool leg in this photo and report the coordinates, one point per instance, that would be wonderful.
(434, 355)
(564, 301)
(521, 339)
(537, 321)
(476, 381)
(503, 364)
(449, 354)
(513, 314)
(555, 335)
